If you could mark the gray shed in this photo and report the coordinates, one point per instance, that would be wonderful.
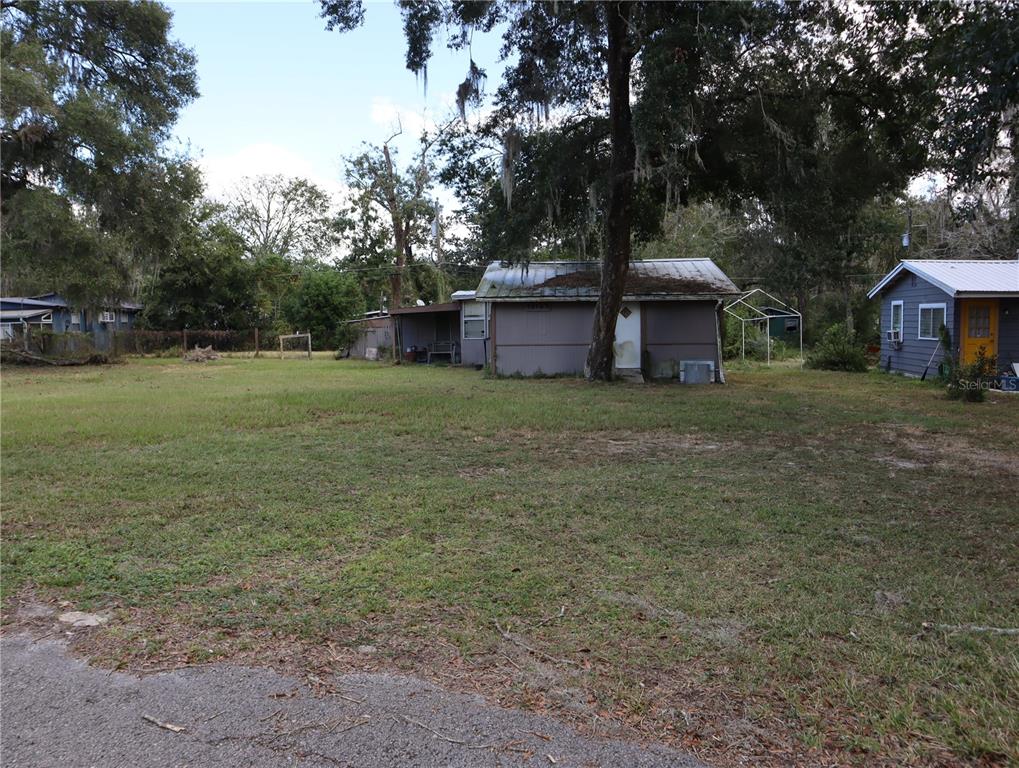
(669, 326)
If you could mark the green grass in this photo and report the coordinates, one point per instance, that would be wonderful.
(717, 549)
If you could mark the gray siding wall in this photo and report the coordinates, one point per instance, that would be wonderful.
(678, 330)
(912, 358)
(1008, 333)
(553, 338)
(541, 338)
(473, 352)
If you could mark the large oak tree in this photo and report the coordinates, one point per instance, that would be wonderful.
(90, 93)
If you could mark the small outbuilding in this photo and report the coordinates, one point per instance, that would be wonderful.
(374, 336)
(428, 333)
(669, 327)
(977, 301)
(452, 332)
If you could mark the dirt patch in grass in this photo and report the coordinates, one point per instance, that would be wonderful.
(715, 630)
(613, 444)
(918, 448)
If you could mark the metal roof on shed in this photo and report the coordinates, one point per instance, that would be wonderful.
(652, 279)
(960, 277)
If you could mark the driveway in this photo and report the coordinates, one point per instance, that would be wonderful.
(58, 711)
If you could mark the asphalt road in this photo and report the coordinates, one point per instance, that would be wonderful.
(58, 711)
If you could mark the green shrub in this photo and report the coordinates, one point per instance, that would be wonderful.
(970, 381)
(345, 337)
(838, 350)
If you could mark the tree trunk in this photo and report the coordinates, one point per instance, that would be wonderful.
(848, 297)
(400, 245)
(399, 234)
(616, 257)
(1013, 187)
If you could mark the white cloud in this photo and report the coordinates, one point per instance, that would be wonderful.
(222, 172)
(390, 116)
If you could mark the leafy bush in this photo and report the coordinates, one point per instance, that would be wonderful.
(322, 301)
(838, 350)
(756, 343)
(970, 381)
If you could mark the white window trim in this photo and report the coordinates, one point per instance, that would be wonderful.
(464, 318)
(46, 319)
(902, 316)
(919, 313)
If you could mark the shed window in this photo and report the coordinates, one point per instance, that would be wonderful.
(47, 319)
(792, 324)
(896, 316)
(75, 318)
(932, 317)
(475, 320)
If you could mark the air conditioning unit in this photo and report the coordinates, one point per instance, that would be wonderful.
(107, 317)
(894, 336)
(696, 371)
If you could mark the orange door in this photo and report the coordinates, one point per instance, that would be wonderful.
(979, 328)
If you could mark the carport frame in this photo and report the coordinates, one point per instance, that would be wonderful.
(761, 317)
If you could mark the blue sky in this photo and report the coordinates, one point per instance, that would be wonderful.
(280, 94)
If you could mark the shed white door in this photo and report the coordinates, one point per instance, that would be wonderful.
(627, 346)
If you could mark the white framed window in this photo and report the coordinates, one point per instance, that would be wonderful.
(107, 317)
(932, 317)
(123, 317)
(475, 320)
(76, 318)
(896, 318)
(47, 319)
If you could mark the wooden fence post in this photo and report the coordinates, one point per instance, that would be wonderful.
(256, 342)
(184, 342)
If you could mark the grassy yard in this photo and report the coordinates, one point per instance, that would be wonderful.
(741, 571)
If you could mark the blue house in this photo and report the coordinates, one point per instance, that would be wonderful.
(977, 301)
(51, 312)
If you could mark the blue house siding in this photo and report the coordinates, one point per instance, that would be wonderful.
(102, 333)
(63, 316)
(912, 357)
(1008, 332)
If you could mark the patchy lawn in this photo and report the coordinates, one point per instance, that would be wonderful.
(742, 571)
